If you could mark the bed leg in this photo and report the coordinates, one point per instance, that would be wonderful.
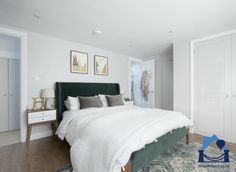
(128, 167)
(187, 138)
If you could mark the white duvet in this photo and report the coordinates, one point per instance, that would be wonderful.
(103, 139)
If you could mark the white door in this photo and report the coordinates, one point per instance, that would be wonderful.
(3, 94)
(149, 66)
(14, 94)
(211, 88)
(233, 97)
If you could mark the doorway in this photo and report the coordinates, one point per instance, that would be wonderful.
(23, 75)
(142, 82)
(9, 89)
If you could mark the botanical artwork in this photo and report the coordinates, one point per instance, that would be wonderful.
(100, 65)
(78, 62)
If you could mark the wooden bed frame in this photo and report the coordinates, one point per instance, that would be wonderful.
(139, 158)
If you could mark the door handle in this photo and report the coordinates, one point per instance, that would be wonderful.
(4, 95)
(234, 96)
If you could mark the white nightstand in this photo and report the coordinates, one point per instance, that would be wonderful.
(129, 103)
(38, 117)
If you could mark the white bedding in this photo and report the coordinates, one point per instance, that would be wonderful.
(103, 139)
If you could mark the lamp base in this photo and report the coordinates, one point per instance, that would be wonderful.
(50, 103)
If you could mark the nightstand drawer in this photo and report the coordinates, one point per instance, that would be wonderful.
(41, 119)
(42, 114)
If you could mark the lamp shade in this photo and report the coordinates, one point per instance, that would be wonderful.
(48, 93)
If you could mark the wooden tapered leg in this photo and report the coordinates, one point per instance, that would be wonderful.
(128, 167)
(187, 138)
(29, 128)
(53, 128)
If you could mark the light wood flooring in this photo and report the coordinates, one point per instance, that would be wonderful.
(10, 137)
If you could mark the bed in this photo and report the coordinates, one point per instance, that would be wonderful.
(139, 158)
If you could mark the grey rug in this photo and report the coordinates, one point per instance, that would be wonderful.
(183, 158)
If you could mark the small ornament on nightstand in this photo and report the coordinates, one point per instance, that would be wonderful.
(42, 103)
(34, 102)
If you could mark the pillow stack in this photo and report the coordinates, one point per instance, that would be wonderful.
(75, 103)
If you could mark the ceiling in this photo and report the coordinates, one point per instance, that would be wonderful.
(138, 28)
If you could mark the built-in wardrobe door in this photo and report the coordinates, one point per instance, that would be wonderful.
(211, 86)
(14, 94)
(233, 97)
(3, 94)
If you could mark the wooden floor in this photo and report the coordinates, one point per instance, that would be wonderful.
(46, 155)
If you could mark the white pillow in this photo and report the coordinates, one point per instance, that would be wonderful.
(72, 103)
(103, 100)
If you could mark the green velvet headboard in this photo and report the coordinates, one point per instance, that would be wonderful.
(65, 89)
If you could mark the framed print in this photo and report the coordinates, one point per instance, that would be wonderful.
(78, 62)
(100, 65)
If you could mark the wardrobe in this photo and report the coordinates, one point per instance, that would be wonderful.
(9, 94)
(215, 87)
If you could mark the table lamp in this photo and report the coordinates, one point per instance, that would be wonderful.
(48, 94)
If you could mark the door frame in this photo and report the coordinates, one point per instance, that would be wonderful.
(23, 75)
(192, 74)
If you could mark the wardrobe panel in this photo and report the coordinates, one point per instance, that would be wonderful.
(3, 94)
(211, 59)
(233, 97)
(211, 86)
(14, 94)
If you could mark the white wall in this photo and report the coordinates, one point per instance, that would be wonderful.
(159, 60)
(9, 47)
(49, 59)
(181, 55)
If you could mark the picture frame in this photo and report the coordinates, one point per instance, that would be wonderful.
(78, 62)
(100, 65)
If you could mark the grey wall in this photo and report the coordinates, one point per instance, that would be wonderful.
(49, 59)
(181, 55)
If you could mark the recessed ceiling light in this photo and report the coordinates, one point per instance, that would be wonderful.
(36, 16)
(97, 32)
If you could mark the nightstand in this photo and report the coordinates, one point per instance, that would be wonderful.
(129, 103)
(38, 117)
